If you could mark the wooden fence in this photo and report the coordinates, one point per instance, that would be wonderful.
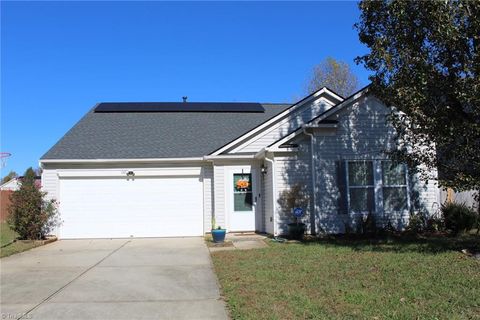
(4, 203)
(466, 197)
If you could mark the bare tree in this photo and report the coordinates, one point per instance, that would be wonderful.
(335, 75)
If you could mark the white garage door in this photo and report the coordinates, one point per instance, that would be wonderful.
(115, 207)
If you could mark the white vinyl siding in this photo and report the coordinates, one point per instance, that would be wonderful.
(268, 200)
(50, 183)
(219, 197)
(362, 133)
(278, 130)
(208, 196)
(291, 170)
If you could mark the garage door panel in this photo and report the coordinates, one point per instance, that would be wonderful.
(140, 207)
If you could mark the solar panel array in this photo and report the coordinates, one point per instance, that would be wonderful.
(233, 107)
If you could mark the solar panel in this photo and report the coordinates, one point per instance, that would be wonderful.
(237, 107)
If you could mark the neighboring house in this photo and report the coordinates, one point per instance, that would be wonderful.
(6, 190)
(14, 184)
(10, 185)
(164, 169)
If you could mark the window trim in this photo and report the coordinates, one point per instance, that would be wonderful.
(377, 187)
(372, 186)
(406, 186)
(234, 173)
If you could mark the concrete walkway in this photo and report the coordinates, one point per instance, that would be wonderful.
(112, 279)
(240, 241)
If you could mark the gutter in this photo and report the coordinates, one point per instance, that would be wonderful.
(262, 153)
(312, 214)
(146, 160)
(120, 160)
(227, 157)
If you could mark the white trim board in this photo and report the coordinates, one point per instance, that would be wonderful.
(321, 117)
(281, 122)
(157, 172)
(279, 116)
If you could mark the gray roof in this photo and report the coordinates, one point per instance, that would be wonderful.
(136, 135)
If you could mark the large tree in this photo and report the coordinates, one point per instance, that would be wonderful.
(425, 56)
(335, 75)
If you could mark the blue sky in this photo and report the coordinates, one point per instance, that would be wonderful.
(60, 58)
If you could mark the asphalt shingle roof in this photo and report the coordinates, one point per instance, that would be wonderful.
(135, 135)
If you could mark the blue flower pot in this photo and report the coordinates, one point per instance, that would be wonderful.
(218, 235)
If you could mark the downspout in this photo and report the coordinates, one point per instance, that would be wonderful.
(312, 215)
(274, 194)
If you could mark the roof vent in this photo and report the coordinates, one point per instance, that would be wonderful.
(185, 98)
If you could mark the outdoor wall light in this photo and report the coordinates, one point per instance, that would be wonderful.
(130, 174)
(263, 169)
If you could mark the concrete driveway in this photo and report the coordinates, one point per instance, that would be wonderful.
(112, 279)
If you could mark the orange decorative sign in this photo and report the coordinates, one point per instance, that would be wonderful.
(243, 184)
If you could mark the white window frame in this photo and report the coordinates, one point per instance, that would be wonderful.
(359, 187)
(377, 186)
(406, 186)
(242, 192)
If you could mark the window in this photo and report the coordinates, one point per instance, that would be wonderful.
(361, 186)
(242, 192)
(394, 177)
(371, 183)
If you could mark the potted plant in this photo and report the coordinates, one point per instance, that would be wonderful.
(293, 202)
(218, 234)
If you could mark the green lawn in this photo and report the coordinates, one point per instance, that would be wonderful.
(353, 279)
(6, 236)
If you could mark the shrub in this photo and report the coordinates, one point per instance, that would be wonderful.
(416, 223)
(347, 228)
(434, 224)
(365, 224)
(296, 196)
(423, 222)
(458, 217)
(387, 229)
(369, 224)
(30, 214)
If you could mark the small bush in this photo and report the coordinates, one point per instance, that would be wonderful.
(347, 228)
(458, 217)
(416, 223)
(387, 229)
(370, 224)
(434, 224)
(420, 222)
(30, 215)
(365, 224)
